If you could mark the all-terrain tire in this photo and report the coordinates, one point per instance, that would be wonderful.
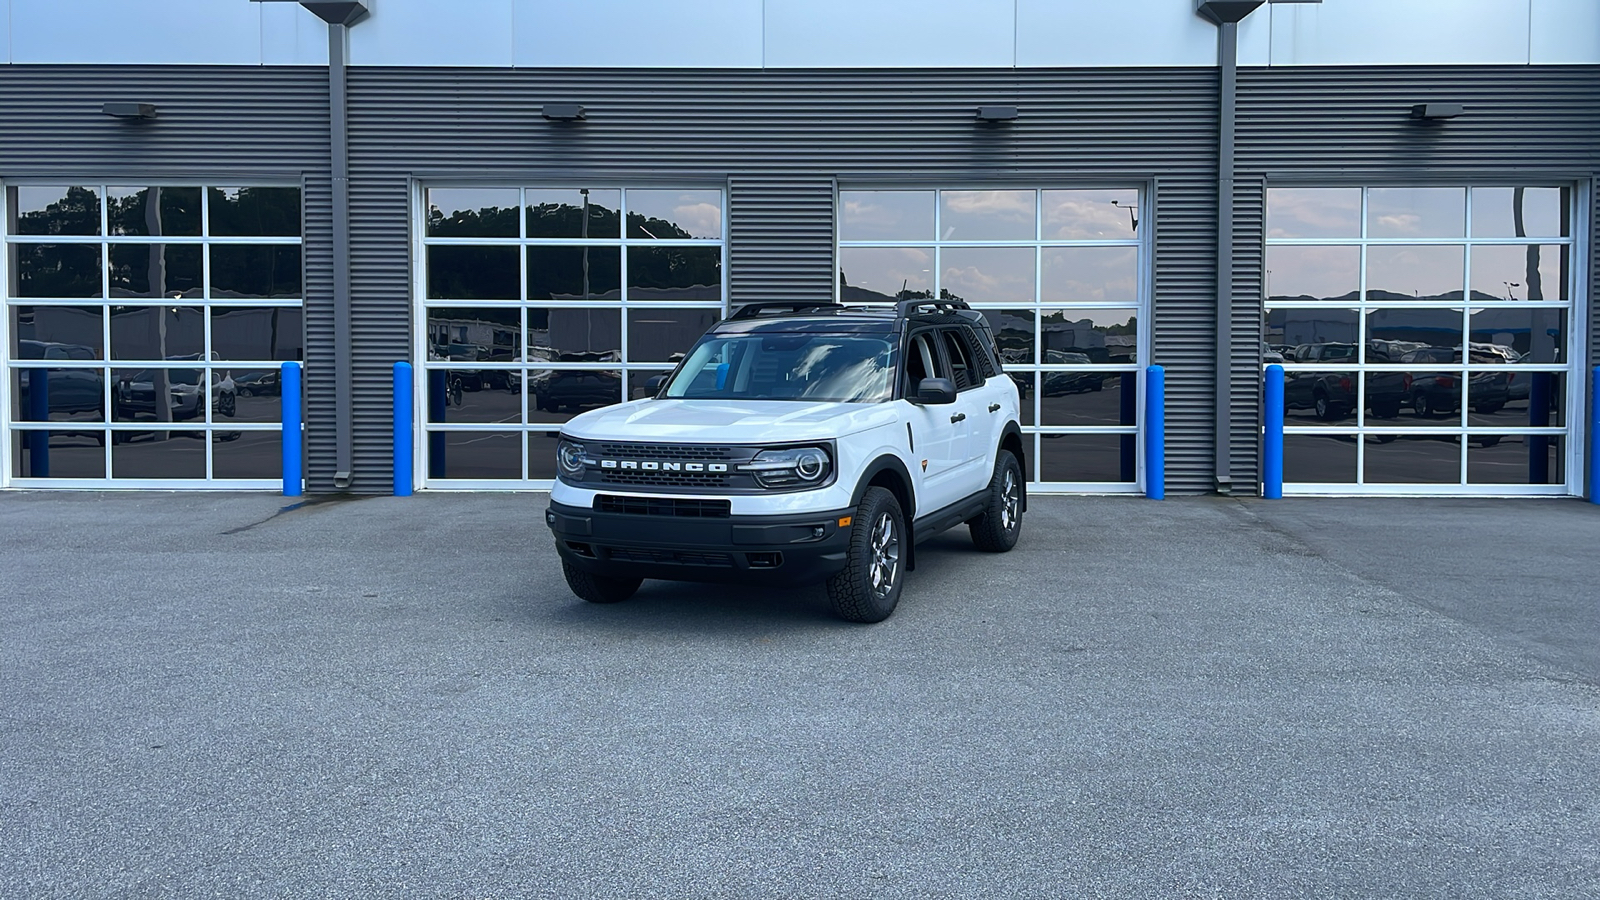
(599, 588)
(997, 530)
(867, 589)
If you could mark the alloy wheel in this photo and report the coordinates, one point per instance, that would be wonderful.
(1011, 498)
(885, 566)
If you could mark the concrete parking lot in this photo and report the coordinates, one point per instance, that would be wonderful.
(216, 694)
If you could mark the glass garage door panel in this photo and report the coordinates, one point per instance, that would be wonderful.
(1058, 273)
(544, 302)
(1425, 337)
(144, 329)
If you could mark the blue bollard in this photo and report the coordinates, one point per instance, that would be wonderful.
(293, 441)
(1594, 436)
(1272, 439)
(403, 428)
(1155, 433)
(39, 411)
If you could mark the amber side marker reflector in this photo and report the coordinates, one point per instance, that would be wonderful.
(844, 522)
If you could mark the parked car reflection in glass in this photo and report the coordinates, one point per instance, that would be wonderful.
(70, 393)
(1332, 395)
(262, 384)
(134, 394)
(1058, 383)
(555, 390)
(1430, 394)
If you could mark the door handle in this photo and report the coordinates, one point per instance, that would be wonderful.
(958, 417)
(994, 407)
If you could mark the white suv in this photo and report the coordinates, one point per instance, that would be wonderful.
(797, 443)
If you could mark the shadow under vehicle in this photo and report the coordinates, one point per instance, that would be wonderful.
(1333, 395)
(1058, 383)
(557, 389)
(1439, 393)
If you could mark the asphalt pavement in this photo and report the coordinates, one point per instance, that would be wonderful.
(221, 695)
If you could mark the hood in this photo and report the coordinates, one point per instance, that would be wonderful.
(744, 422)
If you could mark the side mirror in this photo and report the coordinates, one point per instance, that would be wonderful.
(935, 391)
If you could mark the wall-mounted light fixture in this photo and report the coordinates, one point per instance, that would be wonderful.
(130, 110)
(563, 112)
(997, 113)
(1436, 111)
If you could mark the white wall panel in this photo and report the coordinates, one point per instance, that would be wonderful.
(291, 36)
(891, 33)
(1255, 38)
(430, 33)
(1128, 33)
(1564, 32)
(675, 33)
(135, 31)
(1400, 32)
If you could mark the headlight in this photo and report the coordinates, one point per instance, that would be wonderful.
(789, 467)
(570, 458)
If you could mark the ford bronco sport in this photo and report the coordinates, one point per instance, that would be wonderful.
(796, 443)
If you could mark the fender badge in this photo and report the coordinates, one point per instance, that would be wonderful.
(924, 465)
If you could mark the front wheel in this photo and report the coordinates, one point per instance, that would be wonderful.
(868, 587)
(599, 588)
(997, 530)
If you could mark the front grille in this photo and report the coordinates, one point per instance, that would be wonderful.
(667, 451)
(663, 506)
(707, 480)
(638, 454)
(673, 557)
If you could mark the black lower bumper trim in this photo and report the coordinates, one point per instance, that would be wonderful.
(786, 549)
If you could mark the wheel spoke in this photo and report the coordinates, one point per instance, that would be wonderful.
(885, 562)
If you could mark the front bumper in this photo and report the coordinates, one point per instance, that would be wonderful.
(772, 549)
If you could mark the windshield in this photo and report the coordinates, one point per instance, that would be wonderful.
(776, 366)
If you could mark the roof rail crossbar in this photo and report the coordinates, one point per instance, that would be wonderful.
(751, 310)
(908, 307)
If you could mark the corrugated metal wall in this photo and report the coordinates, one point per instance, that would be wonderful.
(781, 238)
(1349, 125)
(780, 139)
(218, 123)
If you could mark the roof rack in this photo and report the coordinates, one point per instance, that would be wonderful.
(912, 307)
(751, 310)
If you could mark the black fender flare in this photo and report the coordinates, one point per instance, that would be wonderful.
(888, 462)
(1007, 434)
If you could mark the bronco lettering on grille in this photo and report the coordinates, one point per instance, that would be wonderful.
(651, 465)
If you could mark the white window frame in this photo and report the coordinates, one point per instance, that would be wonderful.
(421, 365)
(9, 429)
(1574, 432)
(1142, 241)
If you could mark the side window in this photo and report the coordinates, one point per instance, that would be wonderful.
(962, 371)
(983, 351)
(922, 360)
